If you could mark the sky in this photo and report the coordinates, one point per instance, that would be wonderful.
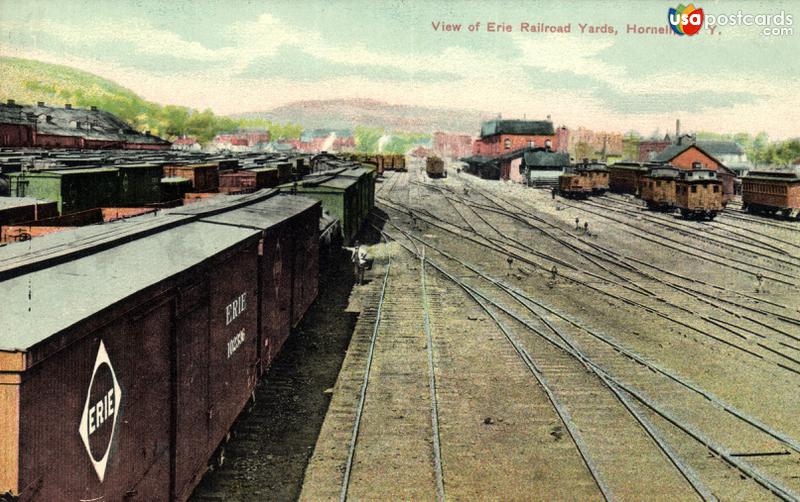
(236, 56)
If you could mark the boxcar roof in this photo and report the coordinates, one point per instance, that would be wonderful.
(268, 213)
(6, 202)
(45, 302)
(773, 176)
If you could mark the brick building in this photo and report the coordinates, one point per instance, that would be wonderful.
(500, 137)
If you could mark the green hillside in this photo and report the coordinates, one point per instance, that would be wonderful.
(28, 81)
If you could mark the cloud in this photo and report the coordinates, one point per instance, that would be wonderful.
(294, 63)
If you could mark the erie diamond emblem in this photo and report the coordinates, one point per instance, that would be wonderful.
(99, 419)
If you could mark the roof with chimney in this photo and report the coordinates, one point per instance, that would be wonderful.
(520, 127)
(88, 123)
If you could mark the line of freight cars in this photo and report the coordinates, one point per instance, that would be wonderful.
(127, 351)
(126, 185)
(382, 162)
(698, 192)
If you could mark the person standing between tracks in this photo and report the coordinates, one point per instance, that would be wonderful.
(577, 223)
(359, 259)
(760, 279)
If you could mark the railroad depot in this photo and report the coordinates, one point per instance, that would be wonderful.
(484, 319)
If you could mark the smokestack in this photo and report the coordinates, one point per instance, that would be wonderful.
(677, 128)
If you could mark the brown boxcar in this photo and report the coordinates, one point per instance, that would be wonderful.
(130, 385)
(89, 361)
(626, 177)
(698, 194)
(771, 192)
(658, 188)
(248, 180)
(289, 263)
(204, 177)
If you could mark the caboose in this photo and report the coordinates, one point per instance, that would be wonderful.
(657, 188)
(584, 179)
(698, 194)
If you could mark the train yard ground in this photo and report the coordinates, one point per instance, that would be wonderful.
(506, 351)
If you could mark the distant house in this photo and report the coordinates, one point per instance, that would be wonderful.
(80, 128)
(686, 155)
(243, 140)
(729, 153)
(650, 148)
(499, 137)
(452, 145)
(186, 143)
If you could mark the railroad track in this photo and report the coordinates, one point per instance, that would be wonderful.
(765, 480)
(700, 230)
(395, 332)
(775, 350)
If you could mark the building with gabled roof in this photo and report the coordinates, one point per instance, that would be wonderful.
(81, 128)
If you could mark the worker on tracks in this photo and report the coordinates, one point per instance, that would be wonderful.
(359, 258)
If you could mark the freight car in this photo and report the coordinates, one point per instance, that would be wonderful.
(698, 194)
(204, 177)
(771, 192)
(129, 386)
(140, 184)
(434, 167)
(340, 196)
(626, 177)
(73, 189)
(657, 188)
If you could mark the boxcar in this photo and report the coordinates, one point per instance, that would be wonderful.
(626, 177)
(698, 194)
(72, 189)
(366, 188)
(658, 188)
(174, 189)
(204, 177)
(248, 180)
(140, 184)
(771, 192)
(434, 167)
(129, 386)
(339, 196)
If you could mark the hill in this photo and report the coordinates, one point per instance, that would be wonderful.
(348, 113)
(28, 81)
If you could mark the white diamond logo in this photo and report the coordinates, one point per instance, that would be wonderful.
(99, 419)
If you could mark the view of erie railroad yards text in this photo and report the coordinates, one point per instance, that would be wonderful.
(350, 250)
